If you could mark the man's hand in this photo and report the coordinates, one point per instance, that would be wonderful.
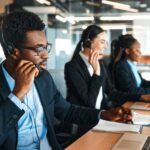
(119, 114)
(24, 75)
(94, 61)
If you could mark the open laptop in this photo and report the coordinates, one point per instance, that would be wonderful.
(131, 141)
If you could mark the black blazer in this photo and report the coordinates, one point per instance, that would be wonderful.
(124, 79)
(82, 89)
(53, 104)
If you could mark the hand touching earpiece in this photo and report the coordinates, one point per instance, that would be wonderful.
(94, 61)
(24, 75)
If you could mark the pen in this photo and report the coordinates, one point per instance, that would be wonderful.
(141, 128)
(132, 122)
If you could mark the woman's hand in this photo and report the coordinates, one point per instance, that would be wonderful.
(94, 61)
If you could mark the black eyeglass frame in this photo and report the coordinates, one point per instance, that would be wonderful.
(38, 49)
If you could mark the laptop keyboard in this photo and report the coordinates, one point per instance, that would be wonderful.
(147, 144)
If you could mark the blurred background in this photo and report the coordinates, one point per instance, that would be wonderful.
(66, 19)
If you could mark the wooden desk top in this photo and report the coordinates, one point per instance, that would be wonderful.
(93, 140)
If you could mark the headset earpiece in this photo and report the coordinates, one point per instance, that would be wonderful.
(10, 48)
(88, 43)
(8, 45)
(88, 40)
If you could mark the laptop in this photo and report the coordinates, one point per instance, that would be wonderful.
(131, 141)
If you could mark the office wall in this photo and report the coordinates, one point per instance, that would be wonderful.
(141, 30)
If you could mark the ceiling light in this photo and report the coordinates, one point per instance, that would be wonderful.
(127, 17)
(60, 18)
(84, 19)
(92, 3)
(43, 9)
(113, 27)
(84, 26)
(71, 19)
(143, 5)
(44, 2)
(119, 6)
(126, 9)
(113, 18)
(115, 4)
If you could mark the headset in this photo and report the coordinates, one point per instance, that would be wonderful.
(34, 120)
(87, 42)
(8, 45)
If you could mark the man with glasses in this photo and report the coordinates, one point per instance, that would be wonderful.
(29, 99)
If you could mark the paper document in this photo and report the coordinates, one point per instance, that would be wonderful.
(110, 126)
(138, 118)
(141, 106)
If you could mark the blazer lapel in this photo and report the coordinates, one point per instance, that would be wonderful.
(83, 66)
(44, 98)
(131, 72)
(4, 88)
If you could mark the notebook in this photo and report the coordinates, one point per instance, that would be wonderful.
(109, 126)
(130, 141)
(140, 119)
(141, 106)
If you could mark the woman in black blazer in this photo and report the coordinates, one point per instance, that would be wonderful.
(88, 83)
(124, 53)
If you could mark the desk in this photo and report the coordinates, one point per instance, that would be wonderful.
(93, 140)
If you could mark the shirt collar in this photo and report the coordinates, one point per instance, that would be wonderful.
(131, 62)
(85, 59)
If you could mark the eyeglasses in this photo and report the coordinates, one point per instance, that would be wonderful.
(40, 49)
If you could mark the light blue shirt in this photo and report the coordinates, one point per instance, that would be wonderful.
(32, 120)
(135, 72)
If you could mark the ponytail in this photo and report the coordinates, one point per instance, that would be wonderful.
(77, 49)
(114, 47)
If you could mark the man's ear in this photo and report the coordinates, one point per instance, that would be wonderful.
(16, 54)
(127, 51)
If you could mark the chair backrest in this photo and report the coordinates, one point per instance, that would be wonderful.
(58, 77)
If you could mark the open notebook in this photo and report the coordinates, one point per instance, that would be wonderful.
(110, 126)
(130, 141)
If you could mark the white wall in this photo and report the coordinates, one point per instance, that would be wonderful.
(141, 31)
(2, 56)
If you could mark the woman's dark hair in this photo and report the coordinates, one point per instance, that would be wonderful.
(118, 51)
(118, 47)
(88, 35)
(15, 26)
